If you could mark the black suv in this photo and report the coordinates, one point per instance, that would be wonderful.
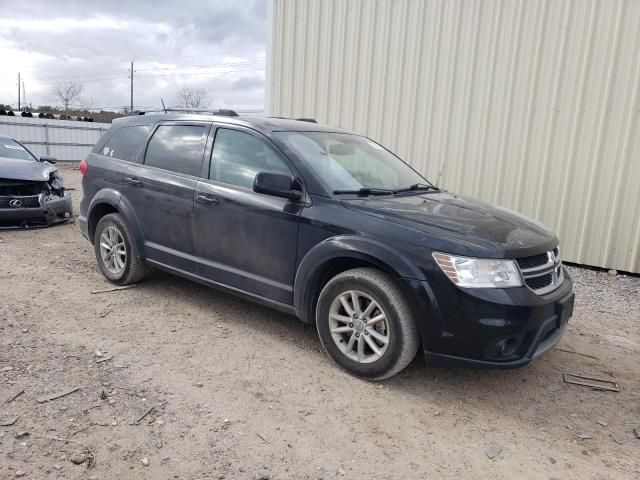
(330, 227)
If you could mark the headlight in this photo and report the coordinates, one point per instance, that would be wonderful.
(479, 272)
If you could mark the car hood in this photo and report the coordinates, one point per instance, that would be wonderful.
(25, 170)
(482, 228)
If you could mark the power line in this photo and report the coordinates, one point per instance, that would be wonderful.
(207, 54)
(189, 67)
(148, 59)
(125, 76)
(108, 75)
(201, 73)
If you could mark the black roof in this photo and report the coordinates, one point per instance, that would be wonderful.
(261, 124)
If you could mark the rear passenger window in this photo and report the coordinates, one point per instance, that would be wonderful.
(178, 148)
(125, 143)
(237, 157)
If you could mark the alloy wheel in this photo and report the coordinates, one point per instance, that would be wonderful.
(359, 326)
(113, 250)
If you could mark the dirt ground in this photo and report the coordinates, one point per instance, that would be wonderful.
(243, 392)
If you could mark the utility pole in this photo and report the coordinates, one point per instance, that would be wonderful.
(131, 106)
(19, 91)
(24, 96)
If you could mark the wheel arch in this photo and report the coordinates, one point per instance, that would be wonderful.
(336, 255)
(111, 201)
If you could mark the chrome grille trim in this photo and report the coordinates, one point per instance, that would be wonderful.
(28, 201)
(552, 267)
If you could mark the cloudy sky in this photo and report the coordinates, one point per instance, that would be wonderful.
(215, 44)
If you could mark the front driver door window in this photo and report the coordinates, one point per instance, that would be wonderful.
(248, 240)
(238, 157)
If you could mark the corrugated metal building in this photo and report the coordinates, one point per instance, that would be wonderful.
(67, 140)
(533, 105)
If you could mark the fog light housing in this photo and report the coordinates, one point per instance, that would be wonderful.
(507, 346)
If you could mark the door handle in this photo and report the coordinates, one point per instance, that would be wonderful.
(132, 181)
(206, 198)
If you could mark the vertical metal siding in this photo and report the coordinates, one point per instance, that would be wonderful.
(529, 104)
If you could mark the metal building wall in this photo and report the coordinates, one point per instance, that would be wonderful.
(529, 104)
(67, 140)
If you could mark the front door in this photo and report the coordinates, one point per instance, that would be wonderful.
(246, 240)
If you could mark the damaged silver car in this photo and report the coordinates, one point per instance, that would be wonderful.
(31, 189)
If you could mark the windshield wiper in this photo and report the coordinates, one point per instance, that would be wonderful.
(366, 191)
(419, 186)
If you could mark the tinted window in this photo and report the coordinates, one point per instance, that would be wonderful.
(237, 157)
(178, 148)
(125, 143)
(12, 149)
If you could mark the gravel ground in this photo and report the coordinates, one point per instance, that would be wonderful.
(242, 392)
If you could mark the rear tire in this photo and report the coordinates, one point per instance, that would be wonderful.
(116, 252)
(366, 324)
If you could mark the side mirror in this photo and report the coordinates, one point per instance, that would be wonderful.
(277, 185)
(49, 159)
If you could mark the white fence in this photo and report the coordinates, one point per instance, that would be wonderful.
(67, 140)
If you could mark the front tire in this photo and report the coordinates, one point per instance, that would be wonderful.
(366, 325)
(116, 252)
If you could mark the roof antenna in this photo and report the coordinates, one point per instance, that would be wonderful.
(163, 107)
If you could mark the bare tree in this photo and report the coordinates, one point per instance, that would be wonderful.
(66, 92)
(192, 98)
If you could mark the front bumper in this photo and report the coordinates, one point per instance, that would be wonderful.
(51, 210)
(504, 328)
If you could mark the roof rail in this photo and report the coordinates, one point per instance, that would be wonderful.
(310, 120)
(223, 111)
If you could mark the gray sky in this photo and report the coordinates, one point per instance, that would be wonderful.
(216, 44)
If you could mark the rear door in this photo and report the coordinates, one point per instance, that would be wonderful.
(246, 240)
(161, 191)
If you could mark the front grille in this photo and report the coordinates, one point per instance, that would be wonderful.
(536, 283)
(533, 261)
(543, 272)
(9, 187)
(25, 202)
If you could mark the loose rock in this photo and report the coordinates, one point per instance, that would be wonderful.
(493, 451)
(20, 473)
(145, 462)
(7, 422)
(78, 457)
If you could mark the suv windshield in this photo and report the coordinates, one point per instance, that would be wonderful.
(350, 163)
(12, 149)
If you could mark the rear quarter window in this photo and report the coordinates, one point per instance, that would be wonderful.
(178, 148)
(125, 143)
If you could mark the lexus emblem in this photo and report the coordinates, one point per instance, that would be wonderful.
(15, 203)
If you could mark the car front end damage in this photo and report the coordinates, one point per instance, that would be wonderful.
(29, 203)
